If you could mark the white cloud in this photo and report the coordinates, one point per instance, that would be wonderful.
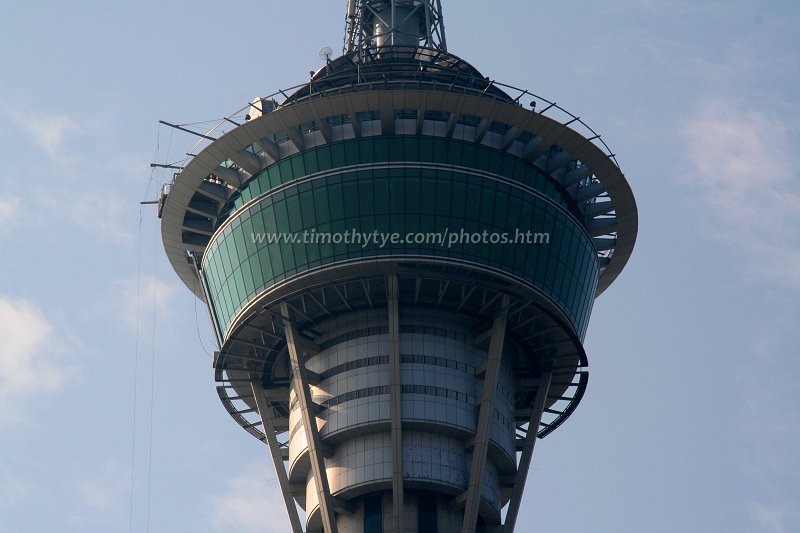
(48, 130)
(769, 392)
(250, 502)
(101, 213)
(102, 498)
(76, 150)
(743, 167)
(9, 207)
(771, 518)
(13, 490)
(30, 360)
(745, 172)
(151, 295)
(108, 489)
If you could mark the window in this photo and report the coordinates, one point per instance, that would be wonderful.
(426, 514)
(405, 113)
(373, 515)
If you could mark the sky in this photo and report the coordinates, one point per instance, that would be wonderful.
(109, 421)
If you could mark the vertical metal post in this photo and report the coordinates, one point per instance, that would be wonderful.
(303, 392)
(428, 25)
(440, 19)
(360, 13)
(392, 24)
(527, 451)
(267, 422)
(395, 391)
(481, 446)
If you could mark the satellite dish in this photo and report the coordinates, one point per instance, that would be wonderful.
(326, 53)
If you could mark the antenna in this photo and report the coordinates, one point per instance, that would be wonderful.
(408, 23)
(326, 53)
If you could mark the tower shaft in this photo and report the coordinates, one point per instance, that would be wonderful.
(373, 24)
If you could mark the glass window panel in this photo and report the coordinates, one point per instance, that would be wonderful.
(427, 227)
(381, 149)
(473, 206)
(366, 198)
(320, 205)
(443, 196)
(285, 169)
(239, 283)
(324, 157)
(425, 149)
(351, 152)
(244, 197)
(336, 202)
(486, 212)
(310, 161)
(381, 196)
(281, 218)
(247, 277)
(440, 150)
(249, 236)
(373, 514)
(428, 200)
(461, 154)
(338, 227)
(411, 188)
(411, 148)
(521, 252)
(337, 155)
(426, 514)
(325, 245)
(299, 251)
(258, 273)
(495, 161)
(276, 261)
(287, 254)
(228, 252)
(366, 150)
(308, 209)
(350, 198)
(294, 213)
(312, 249)
(274, 174)
(468, 155)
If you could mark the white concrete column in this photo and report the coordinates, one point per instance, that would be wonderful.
(527, 451)
(268, 425)
(481, 441)
(395, 391)
(308, 412)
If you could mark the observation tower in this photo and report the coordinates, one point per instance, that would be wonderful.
(399, 259)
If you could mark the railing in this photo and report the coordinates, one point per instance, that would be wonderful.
(370, 80)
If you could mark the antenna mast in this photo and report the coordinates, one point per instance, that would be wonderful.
(377, 23)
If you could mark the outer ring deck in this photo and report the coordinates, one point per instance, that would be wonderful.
(545, 132)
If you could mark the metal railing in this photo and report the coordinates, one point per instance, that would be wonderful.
(363, 80)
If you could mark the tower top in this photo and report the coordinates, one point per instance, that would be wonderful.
(408, 23)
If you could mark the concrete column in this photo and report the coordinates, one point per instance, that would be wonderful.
(527, 450)
(481, 446)
(395, 390)
(267, 421)
(307, 409)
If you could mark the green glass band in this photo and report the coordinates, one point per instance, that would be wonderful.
(408, 202)
(399, 149)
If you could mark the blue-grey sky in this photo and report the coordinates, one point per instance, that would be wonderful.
(109, 421)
